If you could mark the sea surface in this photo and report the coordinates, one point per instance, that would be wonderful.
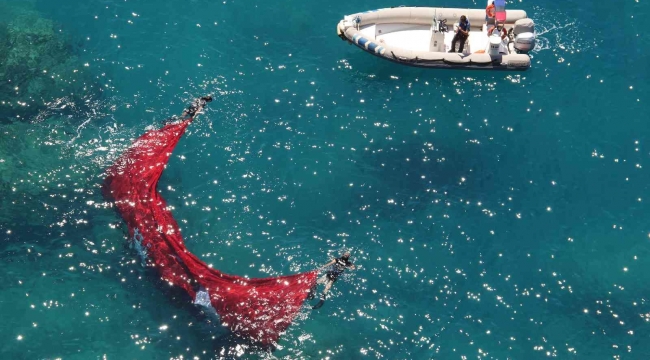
(492, 215)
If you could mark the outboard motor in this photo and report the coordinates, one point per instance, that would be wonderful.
(524, 32)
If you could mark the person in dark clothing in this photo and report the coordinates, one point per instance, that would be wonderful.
(191, 111)
(197, 106)
(461, 34)
(335, 268)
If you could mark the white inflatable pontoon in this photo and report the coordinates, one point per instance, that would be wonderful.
(419, 36)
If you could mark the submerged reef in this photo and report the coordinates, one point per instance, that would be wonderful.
(39, 68)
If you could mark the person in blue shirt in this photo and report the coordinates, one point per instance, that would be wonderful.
(461, 35)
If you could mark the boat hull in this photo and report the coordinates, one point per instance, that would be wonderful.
(406, 36)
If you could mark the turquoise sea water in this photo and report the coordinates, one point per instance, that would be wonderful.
(493, 215)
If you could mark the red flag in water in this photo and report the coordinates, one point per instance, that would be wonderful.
(260, 309)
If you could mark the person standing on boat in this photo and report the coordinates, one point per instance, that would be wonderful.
(490, 12)
(501, 31)
(461, 34)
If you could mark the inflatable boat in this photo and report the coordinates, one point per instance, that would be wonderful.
(422, 36)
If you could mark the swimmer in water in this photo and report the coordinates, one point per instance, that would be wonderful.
(197, 106)
(335, 268)
(191, 111)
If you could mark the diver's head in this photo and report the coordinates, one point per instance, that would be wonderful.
(346, 255)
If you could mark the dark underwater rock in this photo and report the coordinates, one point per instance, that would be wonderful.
(39, 69)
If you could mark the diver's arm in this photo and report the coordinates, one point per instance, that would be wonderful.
(192, 114)
(328, 264)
